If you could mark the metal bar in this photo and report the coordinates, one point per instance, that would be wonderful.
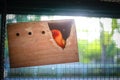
(2, 38)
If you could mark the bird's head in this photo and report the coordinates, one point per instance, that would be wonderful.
(56, 33)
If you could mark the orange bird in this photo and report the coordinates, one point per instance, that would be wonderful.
(57, 35)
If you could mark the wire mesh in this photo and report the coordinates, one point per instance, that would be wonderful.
(90, 67)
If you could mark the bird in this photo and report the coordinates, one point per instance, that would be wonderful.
(57, 35)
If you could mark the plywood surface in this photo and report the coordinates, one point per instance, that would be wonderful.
(32, 44)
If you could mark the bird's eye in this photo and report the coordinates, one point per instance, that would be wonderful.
(53, 32)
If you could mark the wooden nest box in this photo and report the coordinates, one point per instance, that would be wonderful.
(33, 43)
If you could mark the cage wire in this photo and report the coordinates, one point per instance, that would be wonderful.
(90, 67)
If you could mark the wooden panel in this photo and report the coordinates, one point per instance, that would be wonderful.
(32, 43)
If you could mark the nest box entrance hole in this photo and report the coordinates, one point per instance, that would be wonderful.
(64, 27)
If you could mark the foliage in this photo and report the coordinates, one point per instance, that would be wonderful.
(90, 51)
(114, 26)
(107, 38)
(111, 50)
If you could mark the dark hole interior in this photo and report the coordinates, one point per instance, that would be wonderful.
(17, 34)
(64, 27)
(43, 32)
(29, 33)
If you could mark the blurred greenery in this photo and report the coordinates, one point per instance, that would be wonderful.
(107, 38)
(114, 26)
(90, 51)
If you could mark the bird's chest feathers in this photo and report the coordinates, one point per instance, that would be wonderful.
(58, 38)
